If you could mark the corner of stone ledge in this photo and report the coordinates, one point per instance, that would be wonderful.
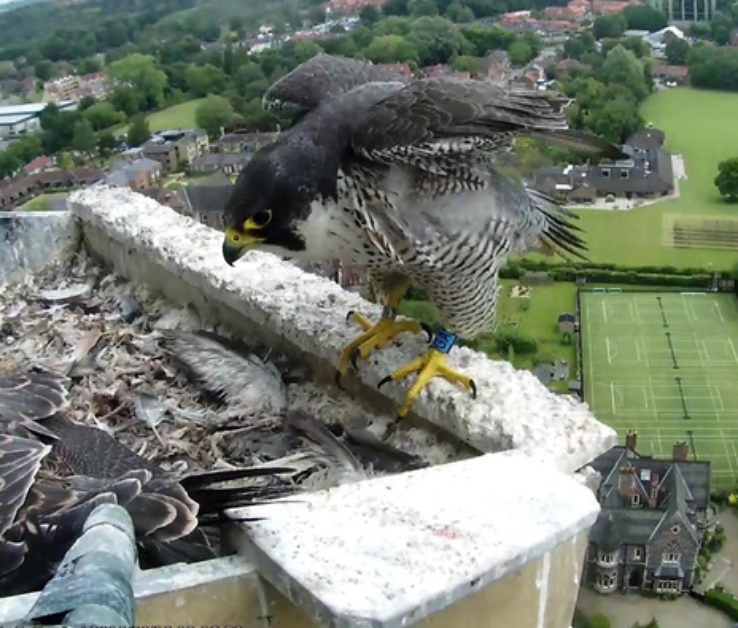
(382, 551)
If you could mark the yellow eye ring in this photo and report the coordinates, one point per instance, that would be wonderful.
(262, 218)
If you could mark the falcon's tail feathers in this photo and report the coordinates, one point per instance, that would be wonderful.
(559, 234)
(579, 141)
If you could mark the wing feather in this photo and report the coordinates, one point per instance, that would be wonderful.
(445, 109)
(20, 461)
(319, 79)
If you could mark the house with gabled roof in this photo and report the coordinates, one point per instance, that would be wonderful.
(652, 523)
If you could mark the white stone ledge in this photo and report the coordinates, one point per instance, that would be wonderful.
(265, 297)
(391, 551)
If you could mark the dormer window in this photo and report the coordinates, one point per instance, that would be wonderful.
(606, 173)
(624, 174)
(635, 500)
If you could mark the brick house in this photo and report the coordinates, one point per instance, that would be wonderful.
(176, 149)
(242, 142)
(653, 519)
(140, 174)
(14, 192)
(230, 163)
(38, 165)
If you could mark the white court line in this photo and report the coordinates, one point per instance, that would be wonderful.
(727, 452)
(732, 348)
(607, 348)
(645, 398)
(719, 396)
(691, 314)
(638, 350)
(702, 352)
(637, 311)
(612, 397)
(719, 311)
(604, 312)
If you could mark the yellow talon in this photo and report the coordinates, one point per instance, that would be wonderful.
(375, 337)
(433, 364)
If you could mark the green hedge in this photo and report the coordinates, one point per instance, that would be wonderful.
(723, 601)
(526, 264)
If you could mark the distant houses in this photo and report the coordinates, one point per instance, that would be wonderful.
(647, 174)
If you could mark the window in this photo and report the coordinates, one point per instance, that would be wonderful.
(635, 500)
(675, 529)
(606, 173)
(624, 174)
(637, 553)
(672, 557)
(668, 586)
(606, 580)
(607, 558)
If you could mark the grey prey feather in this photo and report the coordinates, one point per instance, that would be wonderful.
(249, 386)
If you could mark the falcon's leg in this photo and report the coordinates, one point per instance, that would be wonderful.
(377, 335)
(432, 364)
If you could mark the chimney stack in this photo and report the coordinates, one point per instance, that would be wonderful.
(681, 452)
(631, 439)
(653, 498)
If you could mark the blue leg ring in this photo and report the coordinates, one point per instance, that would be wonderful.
(443, 341)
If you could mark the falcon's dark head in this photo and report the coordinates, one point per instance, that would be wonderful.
(273, 197)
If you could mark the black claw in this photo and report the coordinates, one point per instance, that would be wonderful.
(338, 380)
(428, 331)
(473, 387)
(391, 429)
(384, 381)
(349, 315)
(355, 355)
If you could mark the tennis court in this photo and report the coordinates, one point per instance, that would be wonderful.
(666, 365)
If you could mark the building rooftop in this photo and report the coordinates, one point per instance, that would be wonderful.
(31, 108)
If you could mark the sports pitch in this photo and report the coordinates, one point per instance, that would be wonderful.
(666, 365)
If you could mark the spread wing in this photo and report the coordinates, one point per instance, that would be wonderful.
(20, 461)
(320, 79)
(462, 115)
(29, 397)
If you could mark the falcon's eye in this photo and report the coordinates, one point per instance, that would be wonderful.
(261, 218)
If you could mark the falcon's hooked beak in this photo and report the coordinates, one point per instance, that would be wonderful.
(237, 242)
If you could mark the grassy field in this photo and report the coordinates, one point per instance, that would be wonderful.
(534, 316)
(700, 125)
(177, 117)
(666, 364)
(41, 203)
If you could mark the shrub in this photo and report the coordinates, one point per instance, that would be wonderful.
(520, 343)
(723, 601)
(599, 621)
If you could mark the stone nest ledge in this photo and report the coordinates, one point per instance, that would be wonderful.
(263, 297)
(495, 540)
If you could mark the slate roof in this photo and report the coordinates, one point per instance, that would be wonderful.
(208, 194)
(684, 486)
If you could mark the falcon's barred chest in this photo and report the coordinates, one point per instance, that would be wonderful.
(459, 272)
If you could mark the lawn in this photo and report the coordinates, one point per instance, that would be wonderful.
(534, 316)
(41, 203)
(177, 117)
(666, 364)
(700, 125)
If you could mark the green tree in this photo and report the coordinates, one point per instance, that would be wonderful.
(726, 180)
(145, 76)
(520, 52)
(391, 49)
(465, 63)
(459, 13)
(609, 26)
(205, 79)
(84, 139)
(44, 70)
(622, 67)
(677, 51)
(89, 66)
(139, 130)
(369, 15)
(421, 8)
(214, 113)
(65, 161)
(106, 143)
(103, 115)
(437, 40)
(643, 17)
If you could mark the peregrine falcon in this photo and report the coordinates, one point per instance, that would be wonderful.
(400, 178)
